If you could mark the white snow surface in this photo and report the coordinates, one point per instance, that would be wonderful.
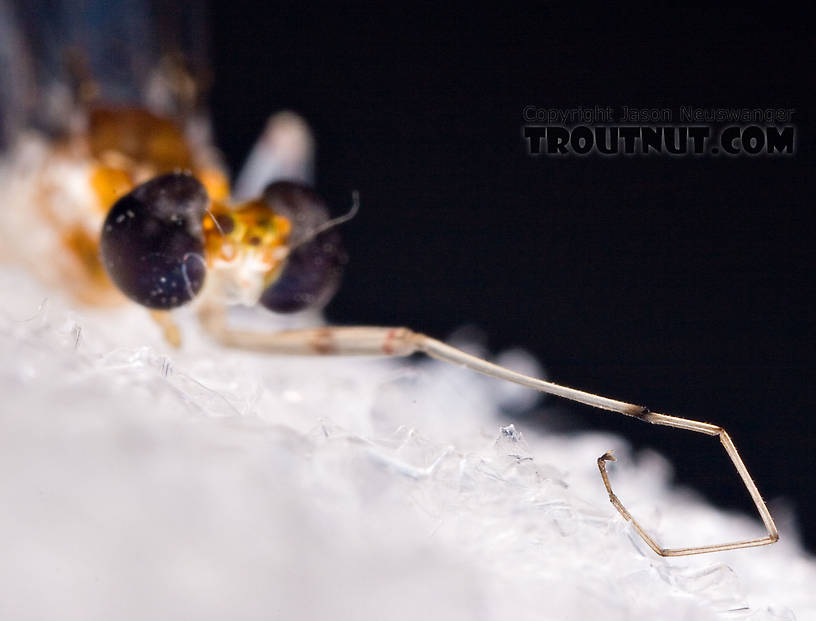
(141, 482)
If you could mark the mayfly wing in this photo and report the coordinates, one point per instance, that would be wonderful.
(283, 152)
(15, 76)
(120, 52)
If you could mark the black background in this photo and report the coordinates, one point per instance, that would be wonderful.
(683, 284)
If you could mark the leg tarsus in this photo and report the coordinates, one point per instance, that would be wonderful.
(773, 534)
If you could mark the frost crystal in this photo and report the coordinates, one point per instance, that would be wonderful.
(139, 482)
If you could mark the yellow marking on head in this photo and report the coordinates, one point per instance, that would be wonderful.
(251, 233)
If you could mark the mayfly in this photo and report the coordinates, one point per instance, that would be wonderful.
(138, 204)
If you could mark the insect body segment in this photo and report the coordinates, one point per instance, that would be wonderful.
(138, 136)
(159, 240)
(161, 237)
(130, 146)
(246, 245)
(251, 230)
(67, 185)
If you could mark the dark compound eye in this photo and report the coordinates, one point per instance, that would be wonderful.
(300, 204)
(314, 267)
(310, 276)
(152, 243)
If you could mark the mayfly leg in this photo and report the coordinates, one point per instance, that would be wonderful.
(381, 341)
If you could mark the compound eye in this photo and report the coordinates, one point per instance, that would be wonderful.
(298, 203)
(310, 276)
(152, 243)
(312, 271)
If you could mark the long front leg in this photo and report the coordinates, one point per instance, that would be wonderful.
(378, 341)
(348, 341)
